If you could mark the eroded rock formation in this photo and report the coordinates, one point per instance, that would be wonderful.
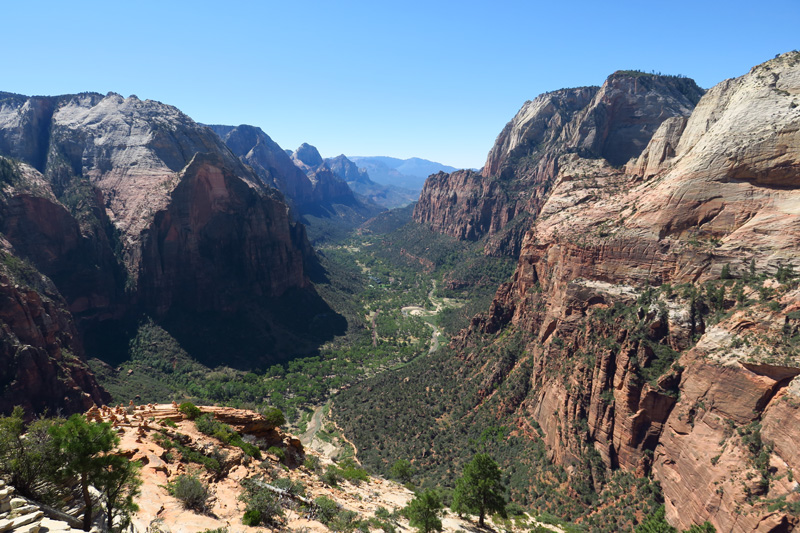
(614, 122)
(619, 275)
(129, 206)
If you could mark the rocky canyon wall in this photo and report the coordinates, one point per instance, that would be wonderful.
(129, 207)
(658, 302)
(614, 122)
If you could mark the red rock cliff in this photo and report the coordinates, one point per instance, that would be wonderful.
(614, 122)
(715, 192)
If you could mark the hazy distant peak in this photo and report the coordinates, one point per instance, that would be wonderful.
(409, 173)
(309, 155)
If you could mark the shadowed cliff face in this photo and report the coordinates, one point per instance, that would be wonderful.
(129, 206)
(613, 122)
(177, 216)
(210, 247)
(272, 164)
(711, 196)
(41, 365)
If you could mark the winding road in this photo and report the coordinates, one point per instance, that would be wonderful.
(415, 310)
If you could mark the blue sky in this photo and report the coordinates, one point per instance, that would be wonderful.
(431, 79)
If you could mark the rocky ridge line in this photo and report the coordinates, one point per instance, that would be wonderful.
(614, 122)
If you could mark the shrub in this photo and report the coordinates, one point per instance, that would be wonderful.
(212, 427)
(311, 463)
(280, 453)
(351, 472)
(331, 477)
(326, 509)
(345, 521)
(189, 490)
(262, 505)
(252, 517)
(190, 410)
(274, 416)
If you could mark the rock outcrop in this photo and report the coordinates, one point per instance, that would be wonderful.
(327, 185)
(272, 164)
(130, 206)
(711, 196)
(614, 122)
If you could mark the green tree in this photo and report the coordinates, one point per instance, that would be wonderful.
(656, 523)
(402, 471)
(705, 527)
(27, 460)
(423, 512)
(480, 489)
(119, 482)
(84, 448)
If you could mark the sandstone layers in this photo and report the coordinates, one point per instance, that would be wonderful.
(615, 122)
(129, 205)
(699, 193)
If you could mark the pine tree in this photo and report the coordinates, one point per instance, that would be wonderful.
(85, 449)
(480, 489)
(423, 512)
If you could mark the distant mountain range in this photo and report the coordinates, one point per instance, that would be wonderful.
(406, 173)
(386, 195)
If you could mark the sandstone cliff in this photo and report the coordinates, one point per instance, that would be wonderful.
(272, 164)
(613, 122)
(129, 206)
(643, 348)
(41, 355)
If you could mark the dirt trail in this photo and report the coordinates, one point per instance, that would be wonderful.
(314, 425)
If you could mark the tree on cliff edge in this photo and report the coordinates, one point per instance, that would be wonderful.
(85, 449)
(480, 489)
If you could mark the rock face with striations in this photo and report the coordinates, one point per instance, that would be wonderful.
(131, 206)
(713, 195)
(613, 122)
(268, 160)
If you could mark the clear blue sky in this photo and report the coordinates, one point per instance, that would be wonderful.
(432, 79)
